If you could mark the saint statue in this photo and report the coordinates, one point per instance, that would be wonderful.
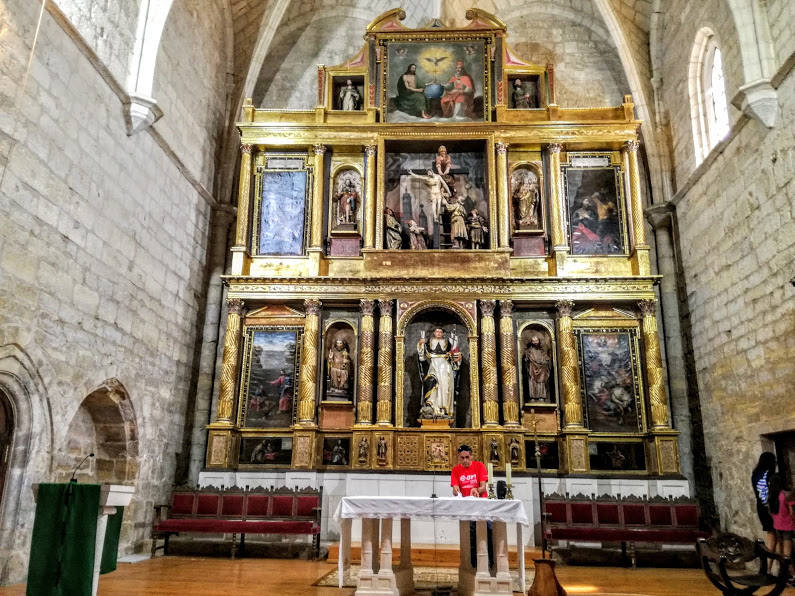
(458, 225)
(364, 450)
(442, 165)
(476, 224)
(522, 99)
(347, 202)
(494, 451)
(349, 99)
(416, 236)
(392, 230)
(513, 448)
(537, 362)
(381, 450)
(339, 370)
(525, 198)
(439, 361)
(339, 456)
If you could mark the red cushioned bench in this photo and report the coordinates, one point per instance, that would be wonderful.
(237, 511)
(626, 520)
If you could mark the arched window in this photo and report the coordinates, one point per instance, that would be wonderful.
(708, 105)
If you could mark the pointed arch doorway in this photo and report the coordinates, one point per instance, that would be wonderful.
(6, 436)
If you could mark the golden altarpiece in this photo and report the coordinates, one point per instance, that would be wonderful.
(439, 254)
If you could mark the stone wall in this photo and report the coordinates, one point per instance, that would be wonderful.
(781, 16)
(737, 241)
(102, 250)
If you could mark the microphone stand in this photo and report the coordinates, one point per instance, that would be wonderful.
(73, 479)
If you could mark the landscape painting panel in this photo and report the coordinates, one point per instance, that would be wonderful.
(609, 382)
(436, 81)
(269, 402)
(594, 211)
(282, 213)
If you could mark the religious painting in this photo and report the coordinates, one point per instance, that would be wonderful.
(617, 456)
(340, 362)
(268, 377)
(526, 199)
(266, 451)
(537, 370)
(436, 370)
(436, 81)
(595, 210)
(609, 379)
(347, 93)
(524, 92)
(548, 450)
(281, 207)
(436, 196)
(346, 201)
(336, 451)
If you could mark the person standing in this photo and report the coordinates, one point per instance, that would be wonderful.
(469, 479)
(761, 478)
(781, 502)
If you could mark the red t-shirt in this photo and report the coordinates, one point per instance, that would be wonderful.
(468, 478)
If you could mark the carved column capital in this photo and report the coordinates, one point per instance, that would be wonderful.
(319, 149)
(564, 308)
(554, 147)
(367, 306)
(502, 148)
(506, 308)
(312, 306)
(370, 150)
(385, 307)
(648, 308)
(234, 306)
(487, 307)
(245, 148)
(632, 145)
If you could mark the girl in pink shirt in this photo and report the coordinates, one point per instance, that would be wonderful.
(782, 510)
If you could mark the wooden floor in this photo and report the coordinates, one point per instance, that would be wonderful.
(178, 576)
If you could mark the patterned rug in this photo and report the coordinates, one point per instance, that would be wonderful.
(425, 578)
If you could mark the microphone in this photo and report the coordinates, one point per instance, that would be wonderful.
(80, 465)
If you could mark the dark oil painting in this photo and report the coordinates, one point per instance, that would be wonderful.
(266, 450)
(594, 211)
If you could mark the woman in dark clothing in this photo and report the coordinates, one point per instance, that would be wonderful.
(761, 478)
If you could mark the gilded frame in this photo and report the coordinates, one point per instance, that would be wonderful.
(488, 38)
(341, 72)
(616, 163)
(245, 372)
(510, 73)
(262, 166)
(260, 435)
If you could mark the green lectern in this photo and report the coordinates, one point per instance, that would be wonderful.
(69, 533)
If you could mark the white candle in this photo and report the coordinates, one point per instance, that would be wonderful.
(491, 472)
(508, 473)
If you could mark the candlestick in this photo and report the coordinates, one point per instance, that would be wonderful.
(491, 472)
(508, 474)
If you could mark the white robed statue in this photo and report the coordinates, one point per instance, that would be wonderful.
(439, 362)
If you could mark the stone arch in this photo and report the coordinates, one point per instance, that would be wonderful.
(30, 458)
(105, 425)
(705, 41)
(142, 110)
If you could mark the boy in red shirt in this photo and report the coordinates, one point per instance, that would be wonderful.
(469, 477)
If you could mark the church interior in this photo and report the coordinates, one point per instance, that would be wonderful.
(263, 249)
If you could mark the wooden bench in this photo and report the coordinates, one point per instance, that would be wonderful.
(725, 558)
(240, 511)
(626, 520)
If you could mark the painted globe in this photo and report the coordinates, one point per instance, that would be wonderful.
(433, 90)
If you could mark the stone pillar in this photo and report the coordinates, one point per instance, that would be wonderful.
(369, 197)
(510, 393)
(491, 408)
(384, 405)
(366, 361)
(641, 265)
(503, 204)
(660, 418)
(308, 382)
(316, 236)
(569, 367)
(242, 233)
(229, 368)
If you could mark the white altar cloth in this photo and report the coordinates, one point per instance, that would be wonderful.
(451, 508)
(376, 577)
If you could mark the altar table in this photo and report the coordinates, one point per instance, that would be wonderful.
(377, 577)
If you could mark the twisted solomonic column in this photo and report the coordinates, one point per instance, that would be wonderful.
(384, 404)
(510, 394)
(229, 365)
(364, 409)
(569, 367)
(654, 370)
(491, 408)
(308, 383)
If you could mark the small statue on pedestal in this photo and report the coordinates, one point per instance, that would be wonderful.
(381, 451)
(364, 450)
(339, 371)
